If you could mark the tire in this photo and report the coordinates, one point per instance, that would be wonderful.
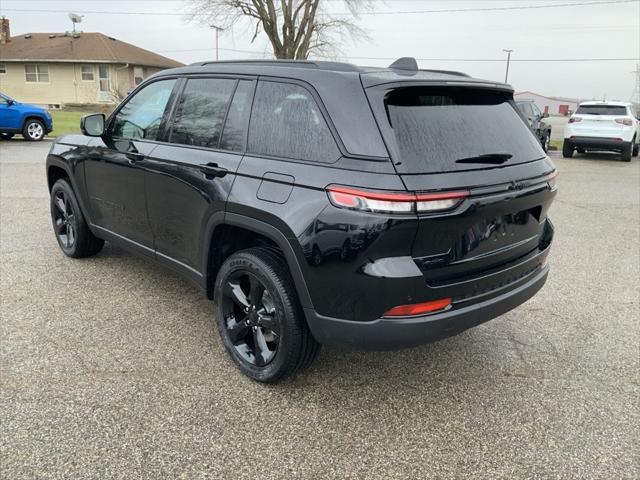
(71, 229)
(33, 130)
(580, 150)
(567, 150)
(625, 155)
(257, 306)
(636, 147)
(544, 141)
(6, 136)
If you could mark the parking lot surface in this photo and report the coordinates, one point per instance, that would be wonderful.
(111, 367)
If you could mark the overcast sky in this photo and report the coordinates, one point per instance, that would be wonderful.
(574, 32)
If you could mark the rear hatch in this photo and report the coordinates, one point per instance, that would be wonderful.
(474, 140)
(598, 121)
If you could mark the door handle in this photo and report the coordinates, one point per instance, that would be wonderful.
(212, 170)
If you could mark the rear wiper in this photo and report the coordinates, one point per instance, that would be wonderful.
(491, 158)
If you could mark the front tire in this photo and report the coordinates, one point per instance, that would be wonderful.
(567, 150)
(544, 141)
(636, 147)
(259, 318)
(69, 225)
(33, 130)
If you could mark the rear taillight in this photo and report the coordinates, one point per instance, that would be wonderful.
(575, 119)
(393, 202)
(624, 121)
(551, 179)
(419, 308)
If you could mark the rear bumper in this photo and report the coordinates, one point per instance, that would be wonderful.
(597, 143)
(390, 334)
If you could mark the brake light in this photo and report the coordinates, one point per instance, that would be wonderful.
(551, 179)
(419, 308)
(624, 121)
(395, 202)
(575, 119)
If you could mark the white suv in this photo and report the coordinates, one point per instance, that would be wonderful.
(612, 126)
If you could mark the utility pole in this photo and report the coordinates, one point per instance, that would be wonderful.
(506, 75)
(217, 29)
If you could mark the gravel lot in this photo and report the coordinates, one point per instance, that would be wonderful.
(111, 367)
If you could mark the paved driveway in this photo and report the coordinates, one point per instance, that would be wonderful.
(111, 367)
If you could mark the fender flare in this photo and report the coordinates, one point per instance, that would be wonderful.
(272, 233)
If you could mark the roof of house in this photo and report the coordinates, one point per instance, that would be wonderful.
(91, 47)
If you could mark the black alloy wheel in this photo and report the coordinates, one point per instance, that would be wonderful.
(259, 317)
(250, 318)
(64, 220)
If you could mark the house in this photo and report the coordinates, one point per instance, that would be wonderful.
(54, 69)
(551, 105)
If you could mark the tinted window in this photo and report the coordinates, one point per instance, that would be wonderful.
(200, 112)
(525, 108)
(141, 116)
(447, 129)
(601, 110)
(235, 128)
(286, 122)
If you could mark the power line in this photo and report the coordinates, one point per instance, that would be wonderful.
(388, 12)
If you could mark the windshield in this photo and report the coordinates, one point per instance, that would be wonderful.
(441, 129)
(601, 110)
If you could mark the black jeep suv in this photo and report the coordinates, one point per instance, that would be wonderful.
(317, 203)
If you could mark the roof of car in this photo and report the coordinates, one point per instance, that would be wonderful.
(315, 69)
(616, 104)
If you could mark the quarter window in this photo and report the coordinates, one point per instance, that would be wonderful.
(140, 118)
(286, 122)
(87, 72)
(36, 72)
(201, 111)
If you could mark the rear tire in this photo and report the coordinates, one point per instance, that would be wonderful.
(71, 229)
(567, 150)
(626, 152)
(259, 317)
(6, 136)
(636, 147)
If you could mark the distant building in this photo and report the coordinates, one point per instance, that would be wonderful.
(551, 105)
(53, 69)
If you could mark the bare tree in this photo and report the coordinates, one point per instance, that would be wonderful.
(295, 28)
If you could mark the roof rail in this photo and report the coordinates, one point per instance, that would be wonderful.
(321, 65)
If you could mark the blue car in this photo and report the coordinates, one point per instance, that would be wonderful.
(31, 121)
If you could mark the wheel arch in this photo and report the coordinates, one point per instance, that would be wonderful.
(33, 116)
(217, 233)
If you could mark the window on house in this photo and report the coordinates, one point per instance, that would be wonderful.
(3, 69)
(138, 75)
(88, 73)
(36, 72)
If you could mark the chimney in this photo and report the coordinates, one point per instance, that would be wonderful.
(5, 32)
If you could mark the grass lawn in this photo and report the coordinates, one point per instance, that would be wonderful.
(65, 122)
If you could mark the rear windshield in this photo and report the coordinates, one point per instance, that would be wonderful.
(602, 110)
(452, 129)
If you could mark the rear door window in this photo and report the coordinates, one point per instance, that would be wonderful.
(601, 110)
(201, 110)
(287, 122)
(442, 129)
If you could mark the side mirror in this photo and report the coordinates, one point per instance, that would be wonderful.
(10, 102)
(545, 114)
(92, 125)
